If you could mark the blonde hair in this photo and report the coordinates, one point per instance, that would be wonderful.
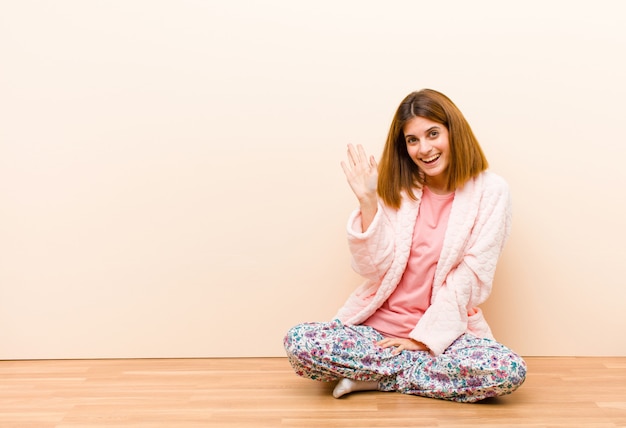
(397, 171)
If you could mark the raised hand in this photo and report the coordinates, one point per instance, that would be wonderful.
(362, 174)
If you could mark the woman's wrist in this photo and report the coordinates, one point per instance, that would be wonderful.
(420, 344)
(369, 201)
(368, 212)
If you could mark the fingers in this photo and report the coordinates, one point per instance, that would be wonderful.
(362, 173)
(400, 345)
(354, 154)
(361, 152)
(358, 158)
(345, 168)
(373, 163)
(388, 343)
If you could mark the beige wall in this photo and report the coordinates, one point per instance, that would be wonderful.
(169, 171)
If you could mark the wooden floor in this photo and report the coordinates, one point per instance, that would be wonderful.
(264, 392)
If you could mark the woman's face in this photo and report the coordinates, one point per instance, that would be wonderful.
(428, 146)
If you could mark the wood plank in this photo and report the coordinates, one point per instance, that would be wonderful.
(264, 392)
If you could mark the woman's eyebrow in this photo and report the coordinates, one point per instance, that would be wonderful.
(425, 132)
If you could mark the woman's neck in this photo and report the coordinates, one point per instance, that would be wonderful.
(439, 191)
(438, 187)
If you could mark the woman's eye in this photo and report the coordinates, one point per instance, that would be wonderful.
(411, 140)
(434, 133)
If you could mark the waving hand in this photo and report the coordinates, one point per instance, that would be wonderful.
(362, 174)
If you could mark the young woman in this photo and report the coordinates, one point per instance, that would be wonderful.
(430, 227)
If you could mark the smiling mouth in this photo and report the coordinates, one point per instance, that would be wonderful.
(431, 159)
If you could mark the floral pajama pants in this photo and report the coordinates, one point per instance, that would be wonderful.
(470, 370)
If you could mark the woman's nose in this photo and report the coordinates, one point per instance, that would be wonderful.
(425, 148)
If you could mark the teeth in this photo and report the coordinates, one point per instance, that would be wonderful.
(431, 159)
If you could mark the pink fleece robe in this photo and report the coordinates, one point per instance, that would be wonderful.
(479, 224)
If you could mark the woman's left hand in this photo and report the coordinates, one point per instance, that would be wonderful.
(402, 345)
